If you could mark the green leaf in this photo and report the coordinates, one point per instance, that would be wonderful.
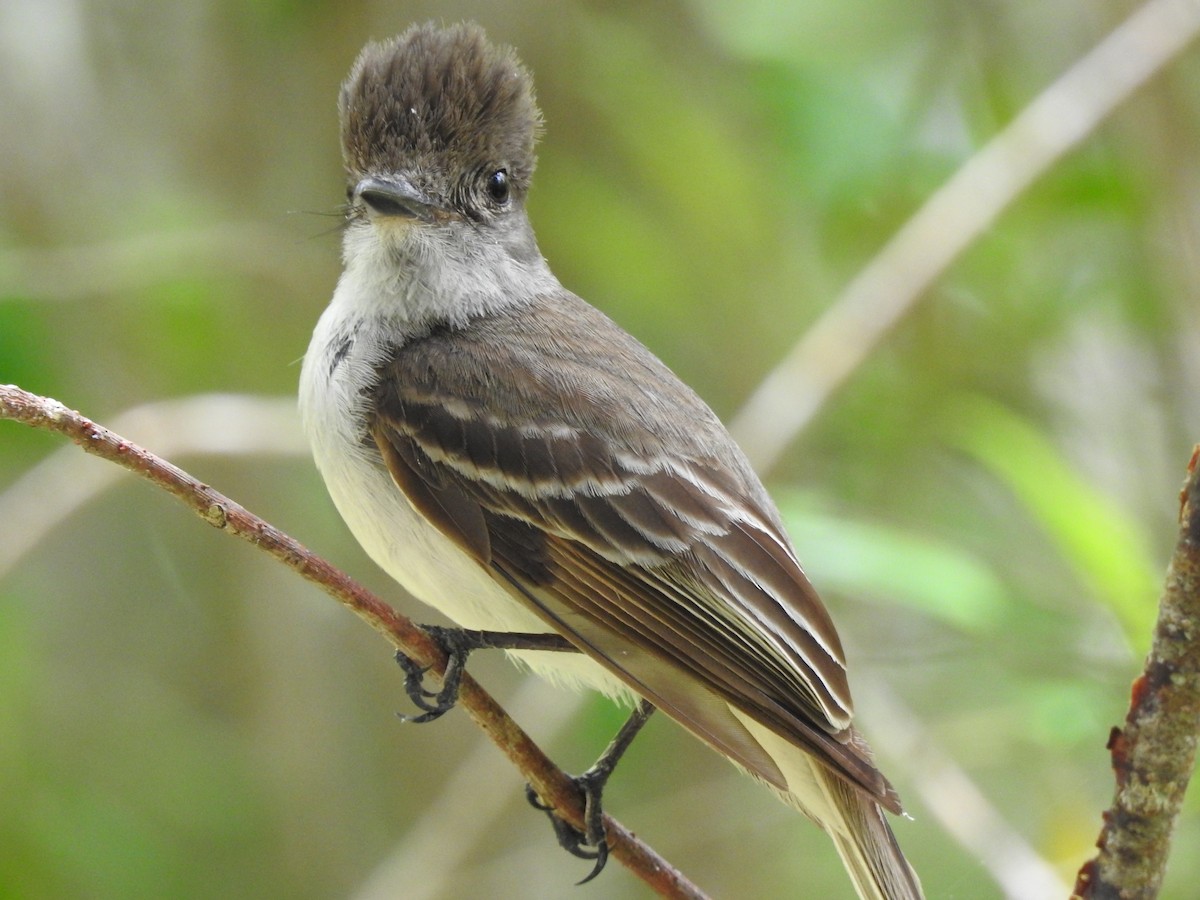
(894, 565)
(1104, 546)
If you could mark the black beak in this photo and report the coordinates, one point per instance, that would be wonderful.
(394, 196)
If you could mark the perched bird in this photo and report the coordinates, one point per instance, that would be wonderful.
(515, 459)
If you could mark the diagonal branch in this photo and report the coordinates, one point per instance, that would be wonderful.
(548, 780)
(888, 288)
(1153, 755)
(50, 492)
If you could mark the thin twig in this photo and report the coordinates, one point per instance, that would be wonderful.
(551, 784)
(49, 493)
(1154, 754)
(950, 221)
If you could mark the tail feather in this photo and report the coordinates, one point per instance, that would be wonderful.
(857, 824)
(867, 846)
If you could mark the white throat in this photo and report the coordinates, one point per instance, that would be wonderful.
(412, 275)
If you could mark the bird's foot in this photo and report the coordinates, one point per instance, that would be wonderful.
(591, 843)
(457, 644)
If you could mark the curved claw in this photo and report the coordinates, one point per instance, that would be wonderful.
(570, 838)
(532, 798)
(457, 644)
(591, 786)
(601, 860)
(434, 703)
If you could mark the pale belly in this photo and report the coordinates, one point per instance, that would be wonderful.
(426, 564)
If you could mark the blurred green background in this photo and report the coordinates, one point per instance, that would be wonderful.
(988, 505)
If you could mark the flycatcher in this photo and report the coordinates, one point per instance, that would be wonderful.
(516, 460)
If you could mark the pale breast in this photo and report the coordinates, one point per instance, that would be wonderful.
(341, 360)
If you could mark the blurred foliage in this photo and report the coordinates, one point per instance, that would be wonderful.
(987, 506)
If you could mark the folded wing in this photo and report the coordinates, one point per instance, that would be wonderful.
(651, 547)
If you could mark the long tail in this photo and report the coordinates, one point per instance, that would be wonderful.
(857, 824)
(868, 848)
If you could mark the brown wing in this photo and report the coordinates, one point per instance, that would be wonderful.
(605, 495)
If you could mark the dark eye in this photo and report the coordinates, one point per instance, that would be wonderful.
(497, 186)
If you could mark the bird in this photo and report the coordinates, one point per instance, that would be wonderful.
(518, 461)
